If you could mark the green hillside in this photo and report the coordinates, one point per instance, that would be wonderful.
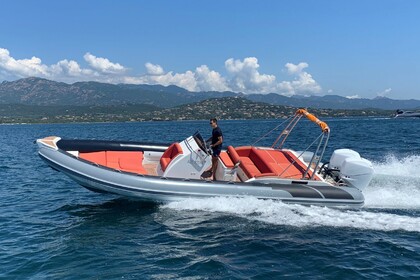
(222, 108)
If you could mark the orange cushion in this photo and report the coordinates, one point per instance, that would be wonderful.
(233, 155)
(281, 160)
(226, 160)
(130, 161)
(261, 161)
(243, 151)
(275, 164)
(170, 153)
(164, 162)
(250, 170)
(96, 157)
(246, 161)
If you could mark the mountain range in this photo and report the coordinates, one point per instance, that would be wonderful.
(43, 92)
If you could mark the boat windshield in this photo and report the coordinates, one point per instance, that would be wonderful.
(200, 141)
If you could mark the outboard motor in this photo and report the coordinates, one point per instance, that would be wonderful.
(338, 157)
(352, 169)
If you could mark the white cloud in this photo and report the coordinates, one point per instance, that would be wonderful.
(156, 75)
(103, 64)
(22, 67)
(385, 92)
(296, 69)
(246, 77)
(242, 75)
(303, 83)
(209, 80)
(154, 69)
(69, 68)
(65, 70)
(202, 79)
(353, 97)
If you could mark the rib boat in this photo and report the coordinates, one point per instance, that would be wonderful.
(169, 172)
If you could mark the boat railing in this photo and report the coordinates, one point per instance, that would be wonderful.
(292, 123)
(322, 143)
(322, 140)
(316, 157)
(319, 153)
(286, 132)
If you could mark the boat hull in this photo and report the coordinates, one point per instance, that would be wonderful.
(161, 189)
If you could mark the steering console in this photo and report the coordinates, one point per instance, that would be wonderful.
(201, 143)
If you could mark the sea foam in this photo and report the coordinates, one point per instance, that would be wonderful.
(395, 185)
(278, 213)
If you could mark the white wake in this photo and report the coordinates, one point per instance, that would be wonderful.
(396, 185)
(278, 213)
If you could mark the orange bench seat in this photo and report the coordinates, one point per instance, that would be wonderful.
(129, 161)
(257, 162)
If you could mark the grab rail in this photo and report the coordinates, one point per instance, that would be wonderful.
(322, 144)
(314, 119)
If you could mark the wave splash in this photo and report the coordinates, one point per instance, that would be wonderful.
(275, 212)
(396, 184)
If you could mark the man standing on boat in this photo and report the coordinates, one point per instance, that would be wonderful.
(216, 145)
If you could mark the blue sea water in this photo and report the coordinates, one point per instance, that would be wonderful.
(51, 228)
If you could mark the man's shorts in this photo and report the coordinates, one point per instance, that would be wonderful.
(217, 150)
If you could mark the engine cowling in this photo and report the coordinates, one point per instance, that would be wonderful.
(352, 168)
(340, 155)
(357, 172)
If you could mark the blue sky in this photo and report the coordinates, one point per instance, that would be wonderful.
(349, 48)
